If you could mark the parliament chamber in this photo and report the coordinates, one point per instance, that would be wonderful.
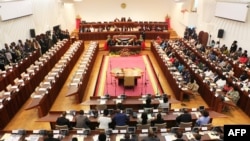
(64, 79)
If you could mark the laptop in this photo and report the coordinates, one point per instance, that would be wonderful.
(131, 129)
(129, 111)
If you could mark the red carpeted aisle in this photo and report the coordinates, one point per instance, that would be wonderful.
(147, 84)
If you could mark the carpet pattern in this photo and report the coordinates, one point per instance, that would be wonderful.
(108, 84)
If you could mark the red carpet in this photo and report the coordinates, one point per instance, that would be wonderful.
(147, 84)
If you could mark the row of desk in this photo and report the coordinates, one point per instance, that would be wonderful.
(169, 118)
(209, 96)
(93, 136)
(16, 95)
(47, 91)
(7, 77)
(81, 76)
(149, 35)
(244, 101)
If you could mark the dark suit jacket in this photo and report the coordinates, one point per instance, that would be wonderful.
(63, 121)
(186, 117)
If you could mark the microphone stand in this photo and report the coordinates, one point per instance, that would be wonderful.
(157, 84)
(145, 82)
(107, 84)
(110, 69)
(142, 85)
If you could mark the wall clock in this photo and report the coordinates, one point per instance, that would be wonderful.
(123, 5)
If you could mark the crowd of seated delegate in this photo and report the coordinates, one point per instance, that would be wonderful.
(218, 80)
(15, 52)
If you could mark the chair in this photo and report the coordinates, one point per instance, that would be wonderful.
(101, 107)
(60, 127)
(161, 125)
(129, 81)
(125, 127)
(142, 126)
(174, 129)
(185, 124)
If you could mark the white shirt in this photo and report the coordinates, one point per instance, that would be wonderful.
(220, 83)
(104, 122)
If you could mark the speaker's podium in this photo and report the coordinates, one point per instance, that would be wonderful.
(127, 76)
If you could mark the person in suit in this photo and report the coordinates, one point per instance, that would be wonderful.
(120, 119)
(62, 120)
(82, 121)
(151, 137)
(233, 47)
(148, 103)
(158, 120)
(50, 137)
(185, 117)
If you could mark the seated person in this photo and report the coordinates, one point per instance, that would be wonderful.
(120, 119)
(148, 103)
(104, 120)
(158, 120)
(178, 136)
(116, 20)
(233, 95)
(227, 87)
(193, 86)
(129, 19)
(158, 40)
(102, 137)
(144, 119)
(62, 120)
(82, 121)
(185, 117)
(197, 137)
(243, 76)
(243, 59)
(165, 103)
(151, 137)
(221, 82)
(50, 137)
(203, 119)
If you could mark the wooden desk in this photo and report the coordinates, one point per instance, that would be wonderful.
(112, 137)
(150, 35)
(121, 47)
(45, 98)
(120, 73)
(170, 118)
(134, 102)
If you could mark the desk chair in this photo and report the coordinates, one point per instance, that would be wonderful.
(161, 125)
(101, 107)
(185, 124)
(125, 127)
(143, 126)
(60, 127)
